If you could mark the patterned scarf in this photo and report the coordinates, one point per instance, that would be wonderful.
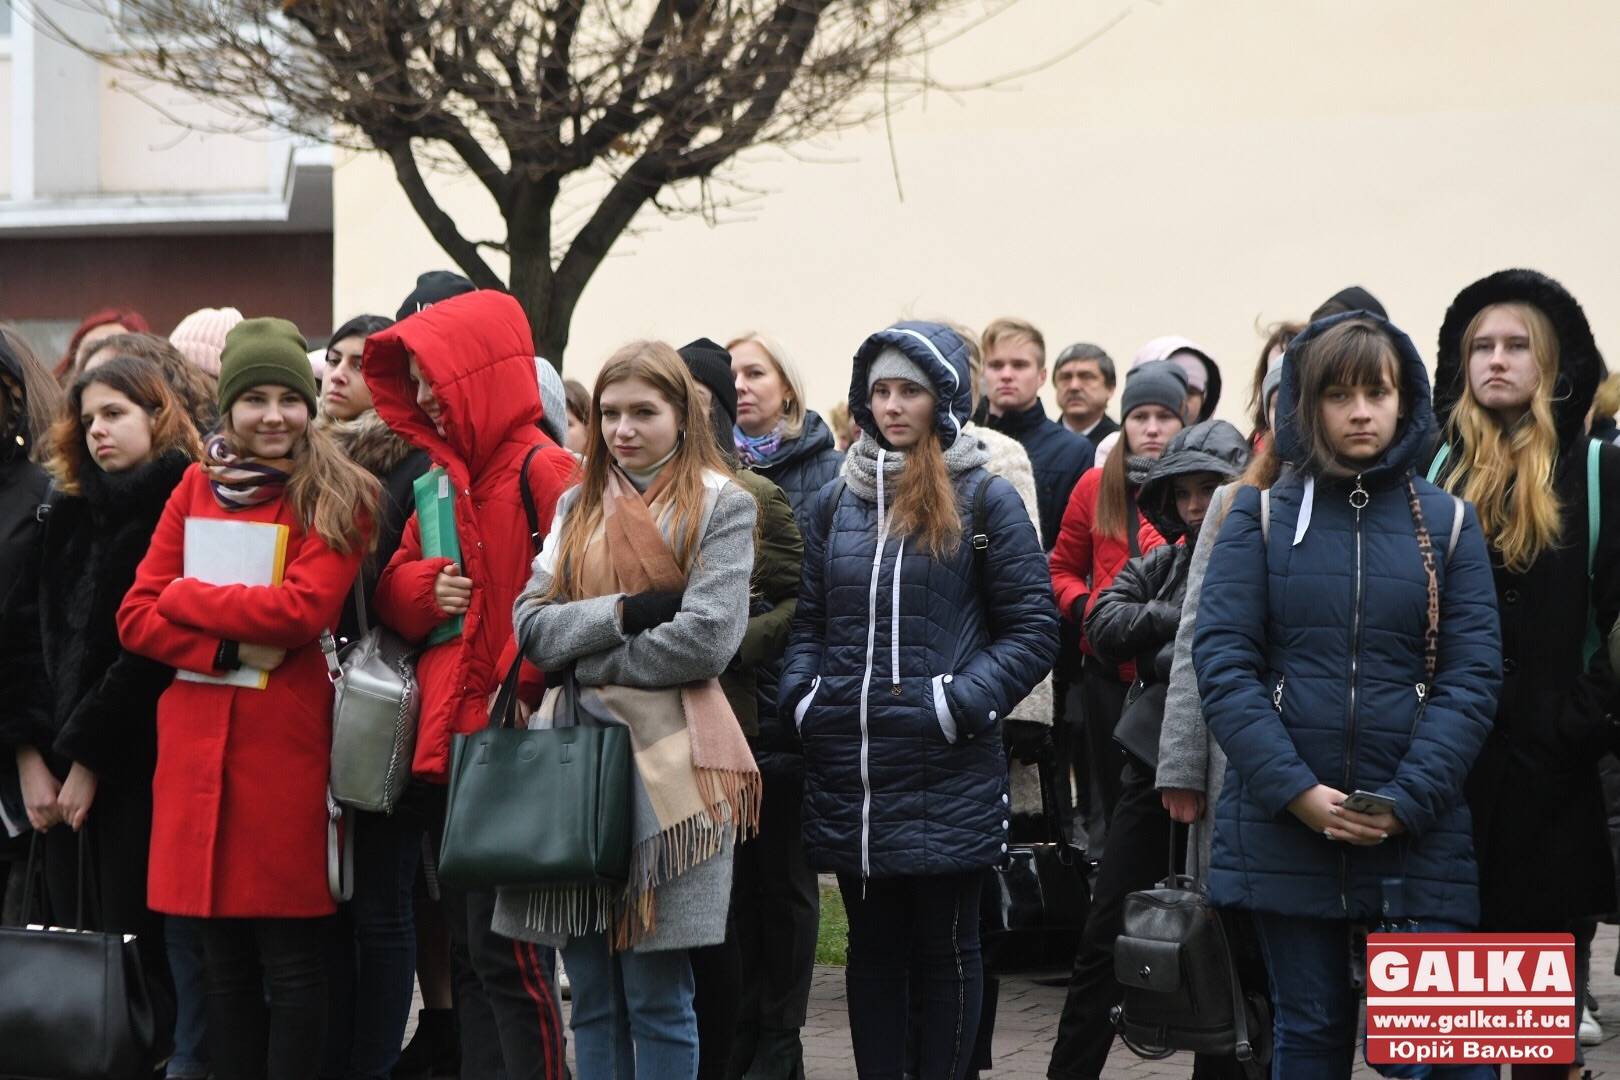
(757, 449)
(241, 482)
(695, 779)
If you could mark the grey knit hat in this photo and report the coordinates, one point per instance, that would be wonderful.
(891, 363)
(553, 401)
(1270, 385)
(1157, 382)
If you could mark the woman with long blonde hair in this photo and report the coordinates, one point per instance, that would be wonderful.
(924, 617)
(642, 589)
(1516, 374)
(249, 564)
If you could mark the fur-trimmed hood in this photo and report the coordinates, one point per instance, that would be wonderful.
(369, 442)
(1580, 364)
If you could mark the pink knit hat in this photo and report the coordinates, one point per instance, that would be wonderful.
(200, 337)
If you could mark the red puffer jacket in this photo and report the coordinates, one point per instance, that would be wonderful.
(477, 354)
(239, 797)
(1085, 561)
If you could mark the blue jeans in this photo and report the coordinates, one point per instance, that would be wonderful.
(1314, 1028)
(190, 1060)
(371, 956)
(632, 1012)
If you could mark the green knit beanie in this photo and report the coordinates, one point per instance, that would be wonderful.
(260, 351)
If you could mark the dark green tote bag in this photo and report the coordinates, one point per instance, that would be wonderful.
(532, 808)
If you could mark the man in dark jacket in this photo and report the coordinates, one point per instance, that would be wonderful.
(1084, 381)
(1014, 369)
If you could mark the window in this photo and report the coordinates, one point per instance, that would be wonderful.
(5, 18)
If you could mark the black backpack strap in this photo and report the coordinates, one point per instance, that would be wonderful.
(980, 540)
(530, 511)
(1133, 523)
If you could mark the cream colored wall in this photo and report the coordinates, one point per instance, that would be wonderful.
(145, 149)
(1203, 166)
(5, 126)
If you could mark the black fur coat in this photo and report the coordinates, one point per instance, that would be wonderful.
(91, 701)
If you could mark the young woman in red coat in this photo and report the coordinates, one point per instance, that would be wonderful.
(239, 808)
(457, 380)
(1101, 531)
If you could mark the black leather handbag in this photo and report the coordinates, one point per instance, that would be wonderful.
(1035, 901)
(73, 1002)
(538, 807)
(1180, 988)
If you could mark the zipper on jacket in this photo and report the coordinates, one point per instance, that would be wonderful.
(1358, 502)
(1417, 717)
(894, 622)
(866, 678)
(1277, 694)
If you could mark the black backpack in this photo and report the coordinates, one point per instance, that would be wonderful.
(1180, 988)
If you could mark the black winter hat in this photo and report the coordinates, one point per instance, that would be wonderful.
(432, 288)
(1580, 364)
(1351, 298)
(710, 365)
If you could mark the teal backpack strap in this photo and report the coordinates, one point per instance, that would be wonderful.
(1438, 462)
(1594, 522)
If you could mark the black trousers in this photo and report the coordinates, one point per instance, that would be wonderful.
(776, 911)
(505, 991)
(717, 998)
(913, 938)
(1102, 699)
(248, 961)
(506, 995)
(1137, 858)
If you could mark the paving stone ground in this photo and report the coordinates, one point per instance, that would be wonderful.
(1027, 1023)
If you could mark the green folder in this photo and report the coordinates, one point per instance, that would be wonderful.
(436, 517)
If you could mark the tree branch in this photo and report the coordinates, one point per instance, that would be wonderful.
(439, 223)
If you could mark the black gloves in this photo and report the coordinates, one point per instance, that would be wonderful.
(645, 610)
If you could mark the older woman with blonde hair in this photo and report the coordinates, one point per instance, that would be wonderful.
(777, 435)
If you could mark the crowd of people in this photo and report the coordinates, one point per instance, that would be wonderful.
(833, 644)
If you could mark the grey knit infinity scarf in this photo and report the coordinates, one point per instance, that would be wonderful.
(861, 464)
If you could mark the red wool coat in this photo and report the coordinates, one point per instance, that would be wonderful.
(1085, 562)
(477, 354)
(239, 798)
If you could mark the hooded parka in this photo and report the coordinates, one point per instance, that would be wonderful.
(1537, 798)
(1136, 617)
(477, 354)
(901, 666)
(1309, 652)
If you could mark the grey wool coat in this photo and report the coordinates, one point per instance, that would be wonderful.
(1188, 757)
(696, 645)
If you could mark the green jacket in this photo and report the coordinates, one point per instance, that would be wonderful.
(773, 596)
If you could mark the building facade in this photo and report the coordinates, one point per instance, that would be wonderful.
(108, 197)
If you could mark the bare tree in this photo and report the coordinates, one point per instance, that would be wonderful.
(629, 101)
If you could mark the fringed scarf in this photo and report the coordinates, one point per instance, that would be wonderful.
(757, 449)
(241, 482)
(695, 779)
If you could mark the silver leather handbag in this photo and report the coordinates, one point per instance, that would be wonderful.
(374, 711)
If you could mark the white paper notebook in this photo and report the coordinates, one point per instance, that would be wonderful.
(223, 552)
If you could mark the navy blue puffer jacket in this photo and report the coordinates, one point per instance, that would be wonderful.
(1309, 653)
(901, 665)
